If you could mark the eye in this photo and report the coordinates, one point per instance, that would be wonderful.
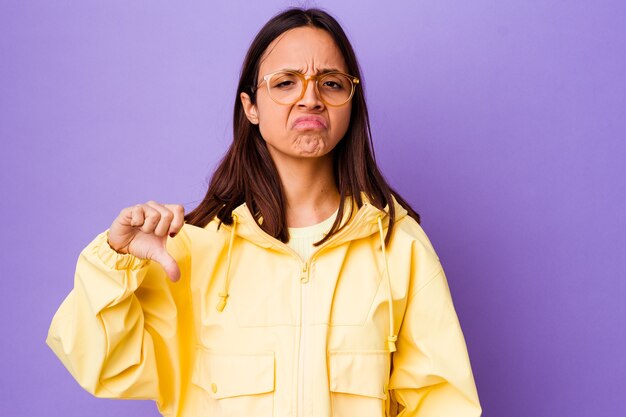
(284, 81)
(335, 82)
(332, 84)
(283, 84)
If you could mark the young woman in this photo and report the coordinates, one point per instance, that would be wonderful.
(302, 285)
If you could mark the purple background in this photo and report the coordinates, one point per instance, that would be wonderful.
(503, 123)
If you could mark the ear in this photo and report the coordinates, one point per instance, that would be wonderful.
(249, 108)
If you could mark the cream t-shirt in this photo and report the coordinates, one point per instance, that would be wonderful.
(301, 239)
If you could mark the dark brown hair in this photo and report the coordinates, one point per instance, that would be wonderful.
(247, 172)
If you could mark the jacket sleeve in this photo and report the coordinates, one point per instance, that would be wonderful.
(124, 330)
(431, 375)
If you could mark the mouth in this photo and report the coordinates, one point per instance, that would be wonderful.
(309, 123)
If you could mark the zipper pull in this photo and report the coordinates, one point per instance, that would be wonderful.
(304, 277)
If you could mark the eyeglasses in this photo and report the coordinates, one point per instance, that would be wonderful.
(287, 87)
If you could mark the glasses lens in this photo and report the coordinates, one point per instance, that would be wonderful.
(286, 88)
(335, 88)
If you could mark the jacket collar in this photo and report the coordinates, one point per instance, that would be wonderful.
(362, 222)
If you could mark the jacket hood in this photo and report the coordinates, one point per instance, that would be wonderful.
(361, 222)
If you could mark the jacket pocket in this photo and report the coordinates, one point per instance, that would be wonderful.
(235, 384)
(358, 382)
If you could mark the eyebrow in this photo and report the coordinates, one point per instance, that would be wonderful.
(322, 71)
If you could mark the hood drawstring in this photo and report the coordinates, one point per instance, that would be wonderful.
(224, 294)
(392, 338)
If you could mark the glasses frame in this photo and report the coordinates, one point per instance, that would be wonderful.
(305, 83)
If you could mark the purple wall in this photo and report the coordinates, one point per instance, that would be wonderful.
(502, 122)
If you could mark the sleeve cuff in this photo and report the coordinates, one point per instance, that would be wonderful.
(115, 260)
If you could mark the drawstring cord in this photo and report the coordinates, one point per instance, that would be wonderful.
(224, 294)
(392, 338)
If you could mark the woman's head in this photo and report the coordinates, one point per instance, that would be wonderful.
(309, 40)
(282, 98)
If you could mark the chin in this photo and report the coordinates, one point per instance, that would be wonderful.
(311, 144)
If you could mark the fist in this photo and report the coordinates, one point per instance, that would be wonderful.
(142, 231)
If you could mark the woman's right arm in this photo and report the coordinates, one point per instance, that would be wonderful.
(125, 330)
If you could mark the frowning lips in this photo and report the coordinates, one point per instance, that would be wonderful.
(310, 122)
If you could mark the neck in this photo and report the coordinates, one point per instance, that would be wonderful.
(310, 189)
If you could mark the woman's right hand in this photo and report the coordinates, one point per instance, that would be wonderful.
(142, 231)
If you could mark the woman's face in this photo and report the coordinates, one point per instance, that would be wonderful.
(308, 50)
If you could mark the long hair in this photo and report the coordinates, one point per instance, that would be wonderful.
(247, 172)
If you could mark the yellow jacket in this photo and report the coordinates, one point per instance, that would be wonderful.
(251, 329)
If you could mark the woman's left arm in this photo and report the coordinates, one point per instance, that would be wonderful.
(432, 375)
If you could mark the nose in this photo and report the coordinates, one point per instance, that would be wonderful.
(310, 97)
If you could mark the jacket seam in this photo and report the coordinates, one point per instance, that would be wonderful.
(437, 272)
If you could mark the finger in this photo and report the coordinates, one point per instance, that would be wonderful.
(137, 215)
(168, 263)
(179, 218)
(151, 219)
(125, 217)
(167, 216)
